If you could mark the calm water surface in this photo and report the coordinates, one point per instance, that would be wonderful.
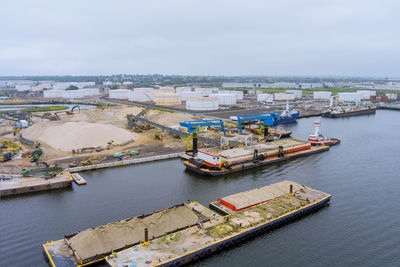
(361, 226)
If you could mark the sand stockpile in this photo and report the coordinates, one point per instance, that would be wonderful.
(73, 135)
(170, 119)
(117, 235)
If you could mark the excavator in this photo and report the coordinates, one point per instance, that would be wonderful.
(89, 161)
(71, 112)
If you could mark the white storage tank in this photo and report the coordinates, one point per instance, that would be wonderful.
(206, 91)
(120, 93)
(283, 96)
(167, 99)
(72, 94)
(53, 93)
(265, 98)
(180, 90)
(298, 94)
(366, 94)
(225, 99)
(186, 95)
(237, 93)
(391, 96)
(322, 95)
(90, 91)
(143, 89)
(141, 96)
(348, 97)
(202, 103)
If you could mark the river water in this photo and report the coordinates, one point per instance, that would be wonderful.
(360, 227)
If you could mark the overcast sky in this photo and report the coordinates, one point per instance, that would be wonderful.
(299, 37)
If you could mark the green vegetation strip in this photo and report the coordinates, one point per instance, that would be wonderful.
(46, 108)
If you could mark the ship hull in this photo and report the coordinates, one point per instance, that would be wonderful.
(369, 111)
(287, 119)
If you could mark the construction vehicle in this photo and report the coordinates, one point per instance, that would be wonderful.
(47, 172)
(5, 156)
(137, 126)
(36, 154)
(74, 164)
(194, 128)
(90, 161)
(264, 120)
(71, 112)
(159, 136)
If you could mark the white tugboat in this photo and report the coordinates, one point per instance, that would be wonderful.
(317, 138)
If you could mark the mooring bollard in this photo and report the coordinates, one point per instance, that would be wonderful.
(146, 235)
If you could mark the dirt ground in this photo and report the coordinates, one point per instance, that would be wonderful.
(93, 128)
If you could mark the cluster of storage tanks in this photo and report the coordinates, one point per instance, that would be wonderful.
(71, 94)
(198, 99)
(288, 95)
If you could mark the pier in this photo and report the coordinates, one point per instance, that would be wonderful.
(24, 185)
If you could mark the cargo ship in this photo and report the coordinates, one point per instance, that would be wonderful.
(287, 116)
(214, 163)
(317, 138)
(244, 215)
(340, 112)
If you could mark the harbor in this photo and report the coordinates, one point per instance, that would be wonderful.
(138, 190)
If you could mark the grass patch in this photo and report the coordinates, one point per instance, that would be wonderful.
(43, 109)
(14, 147)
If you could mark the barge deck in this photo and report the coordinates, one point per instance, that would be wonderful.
(254, 163)
(64, 253)
(198, 241)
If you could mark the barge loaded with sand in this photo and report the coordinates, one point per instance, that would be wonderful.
(94, 244)
(214, 163)
(248, 214)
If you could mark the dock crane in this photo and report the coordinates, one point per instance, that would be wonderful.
(194, 128)
(265, 120)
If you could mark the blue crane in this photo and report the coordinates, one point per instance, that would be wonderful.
(194, 128)
(266, 119)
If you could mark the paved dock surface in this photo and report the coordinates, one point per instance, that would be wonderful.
(33, 184)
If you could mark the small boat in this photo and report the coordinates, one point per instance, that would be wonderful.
(287, 116)
(317, 138)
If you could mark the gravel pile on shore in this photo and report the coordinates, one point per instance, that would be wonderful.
(74, 135)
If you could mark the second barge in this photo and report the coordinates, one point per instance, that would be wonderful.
(222, 162)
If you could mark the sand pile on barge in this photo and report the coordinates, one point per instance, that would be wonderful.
(73, 135)
(117, 235)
